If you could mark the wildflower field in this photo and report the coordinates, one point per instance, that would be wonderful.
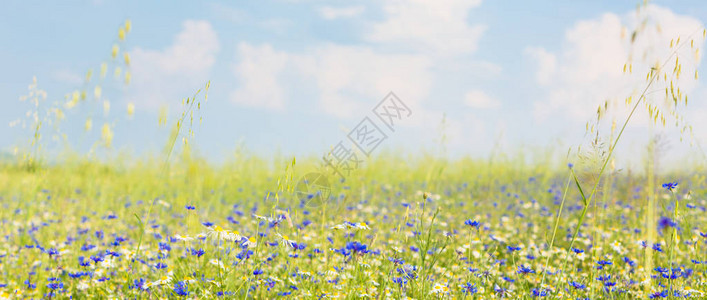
(398, 225)
(484, 231)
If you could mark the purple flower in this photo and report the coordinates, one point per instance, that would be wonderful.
(670, 186)
(357, 247)
(657, 247)
(664, 222)
(511, 248)
(56, 285)
(525, 270)
(180, 288)
(472, 223)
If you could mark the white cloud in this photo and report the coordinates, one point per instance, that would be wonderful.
(331, 13)
(258, 72)
(347, 79)
(589, 68)
(415, 44)
(436, 27)
(348, 76)
(479, 99)
(697, 117)
(166, 75)
(547, 64)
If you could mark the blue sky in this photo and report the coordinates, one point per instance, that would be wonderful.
(294, 77)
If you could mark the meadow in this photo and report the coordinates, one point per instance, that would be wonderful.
(399, 227)
(394, 230)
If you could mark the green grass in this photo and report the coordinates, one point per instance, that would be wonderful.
(515, 203)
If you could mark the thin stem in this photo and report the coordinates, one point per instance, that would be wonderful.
(673, 245)
(557, 223)
(218, 264)
(612, 147)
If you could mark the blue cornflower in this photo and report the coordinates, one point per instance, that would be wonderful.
(578, 251)
(677, 273)
(469, 288)
(164, 247)
(499, 290)
(180, 288)
(208, 224)
(629, 261)
(118, 240)
(664, 222)
(79, 274)
(52, 252)
(244, 254)
(55, 285)
(138, 283)
(657, 247)
(160, 266)
(525, 270)
(577, 285)
(190, 207)
(511, 248)
(357, 247)
(343, 251)
(472, 223)
(409, 271)
(96, 259)
(30, 285)
(539, 293)
(83, 262)
(670, 186)
(299, 246)
(397, 261)
(656, 295)
(400, 281)
(604, 262)
(257, 272)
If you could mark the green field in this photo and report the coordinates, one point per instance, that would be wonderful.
(395, 229)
